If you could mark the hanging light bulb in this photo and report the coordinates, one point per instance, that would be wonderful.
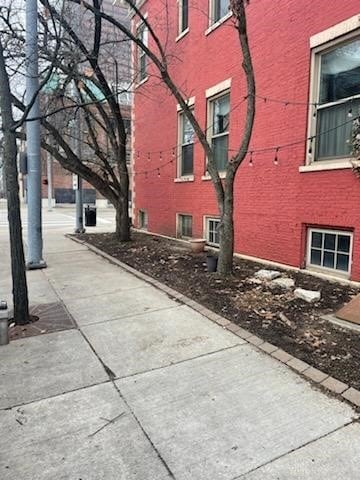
(251, 160)
(173, 153)
(350, 113)
(158, 172)
(148, 156)
(310, 150)
(138, 155)
(276, 158)
(160, 156)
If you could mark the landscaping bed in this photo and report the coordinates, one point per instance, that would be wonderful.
(272, 313)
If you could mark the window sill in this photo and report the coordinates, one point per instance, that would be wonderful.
(144, 80)
(336, 274)
(217, 24)
(320, 166)
(189, 178)
(207, 177)
(182, 34)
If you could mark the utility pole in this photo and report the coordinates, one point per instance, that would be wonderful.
(35, 243)
(79, 227)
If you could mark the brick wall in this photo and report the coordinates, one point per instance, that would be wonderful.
(273, 204)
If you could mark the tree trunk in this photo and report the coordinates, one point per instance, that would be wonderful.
(122, 221)
(226, 250)
(19, 285)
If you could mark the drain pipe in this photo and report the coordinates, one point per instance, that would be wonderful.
(4, 323)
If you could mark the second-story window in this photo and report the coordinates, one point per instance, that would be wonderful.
(183, 15)
(219, 8)
(219, 128)
(186, 152)
(142, 34)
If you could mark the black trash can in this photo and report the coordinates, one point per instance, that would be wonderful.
(90, 216)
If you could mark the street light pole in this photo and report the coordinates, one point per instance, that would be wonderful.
(35, 244)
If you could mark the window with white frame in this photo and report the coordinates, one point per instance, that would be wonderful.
(212, 230)
(336, 94)
(218, 129)
(183, 15)
(218, 9)
(186, 146)
(143, 219)
(184, 226)
(330, 250)
(142, 34)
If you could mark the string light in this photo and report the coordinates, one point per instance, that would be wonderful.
(350, 113)
(315, 111)
(173, 153)
(276, 158)
(148, 156)
(251, 159)
(158, 172)
(160, 156)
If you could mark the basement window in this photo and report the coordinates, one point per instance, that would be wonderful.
(143, 219)
(184, 226)
(212, 233)
(330, 250)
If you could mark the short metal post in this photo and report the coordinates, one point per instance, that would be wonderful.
(4, 323)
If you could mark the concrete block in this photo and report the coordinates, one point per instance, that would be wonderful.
(69, 437)
(254, 340)
(330, 458)
(268, 347)
(353, 396)
(282, 355)
(334, 385)
(285, 283)
(298, 365)
(309, 296)
(222, 415)
(315, 375)
(156, 339)
(47, 365)
(267, 274)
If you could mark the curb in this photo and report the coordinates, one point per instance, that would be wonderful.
(331, 384)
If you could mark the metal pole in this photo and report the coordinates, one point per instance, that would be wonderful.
(35, 245)
(79, 228)
(49, 177)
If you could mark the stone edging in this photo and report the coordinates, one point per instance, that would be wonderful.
(317, 376)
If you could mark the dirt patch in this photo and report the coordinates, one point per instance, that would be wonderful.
(271, 313)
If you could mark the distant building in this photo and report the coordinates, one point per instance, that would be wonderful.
(296, 196)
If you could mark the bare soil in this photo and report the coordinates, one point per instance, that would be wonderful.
(271, 313)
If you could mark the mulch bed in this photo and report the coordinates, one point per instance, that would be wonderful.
(273, 314)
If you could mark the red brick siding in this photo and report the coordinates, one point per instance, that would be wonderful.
(273, 204)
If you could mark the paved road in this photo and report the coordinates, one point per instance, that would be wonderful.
(145, 388)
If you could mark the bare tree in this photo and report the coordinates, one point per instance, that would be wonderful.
(19, 285)
(156, 52)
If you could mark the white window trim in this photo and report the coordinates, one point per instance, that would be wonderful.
(207, 218)
(178, 233)
(312, 165)
(213, 25)
(218, 89)
(335, 31)
(319, 268)
(209, 123)
(179, 177)
(189, 101)
(137, 73)
(181, 33)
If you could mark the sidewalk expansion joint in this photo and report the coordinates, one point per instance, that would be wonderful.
(315, 377)
(310, 442)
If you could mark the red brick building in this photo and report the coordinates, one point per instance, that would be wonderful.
(296, 197)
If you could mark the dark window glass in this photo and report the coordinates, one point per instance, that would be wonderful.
(187, 153)
(315, 257)
(330, 240)
(316, 239)
(344, 243)
(342, 262)
(185, 225)
(221, 8)
(329, 259)
(184, 15)
(220, 148)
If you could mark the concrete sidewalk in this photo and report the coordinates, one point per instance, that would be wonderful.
(146, 388)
